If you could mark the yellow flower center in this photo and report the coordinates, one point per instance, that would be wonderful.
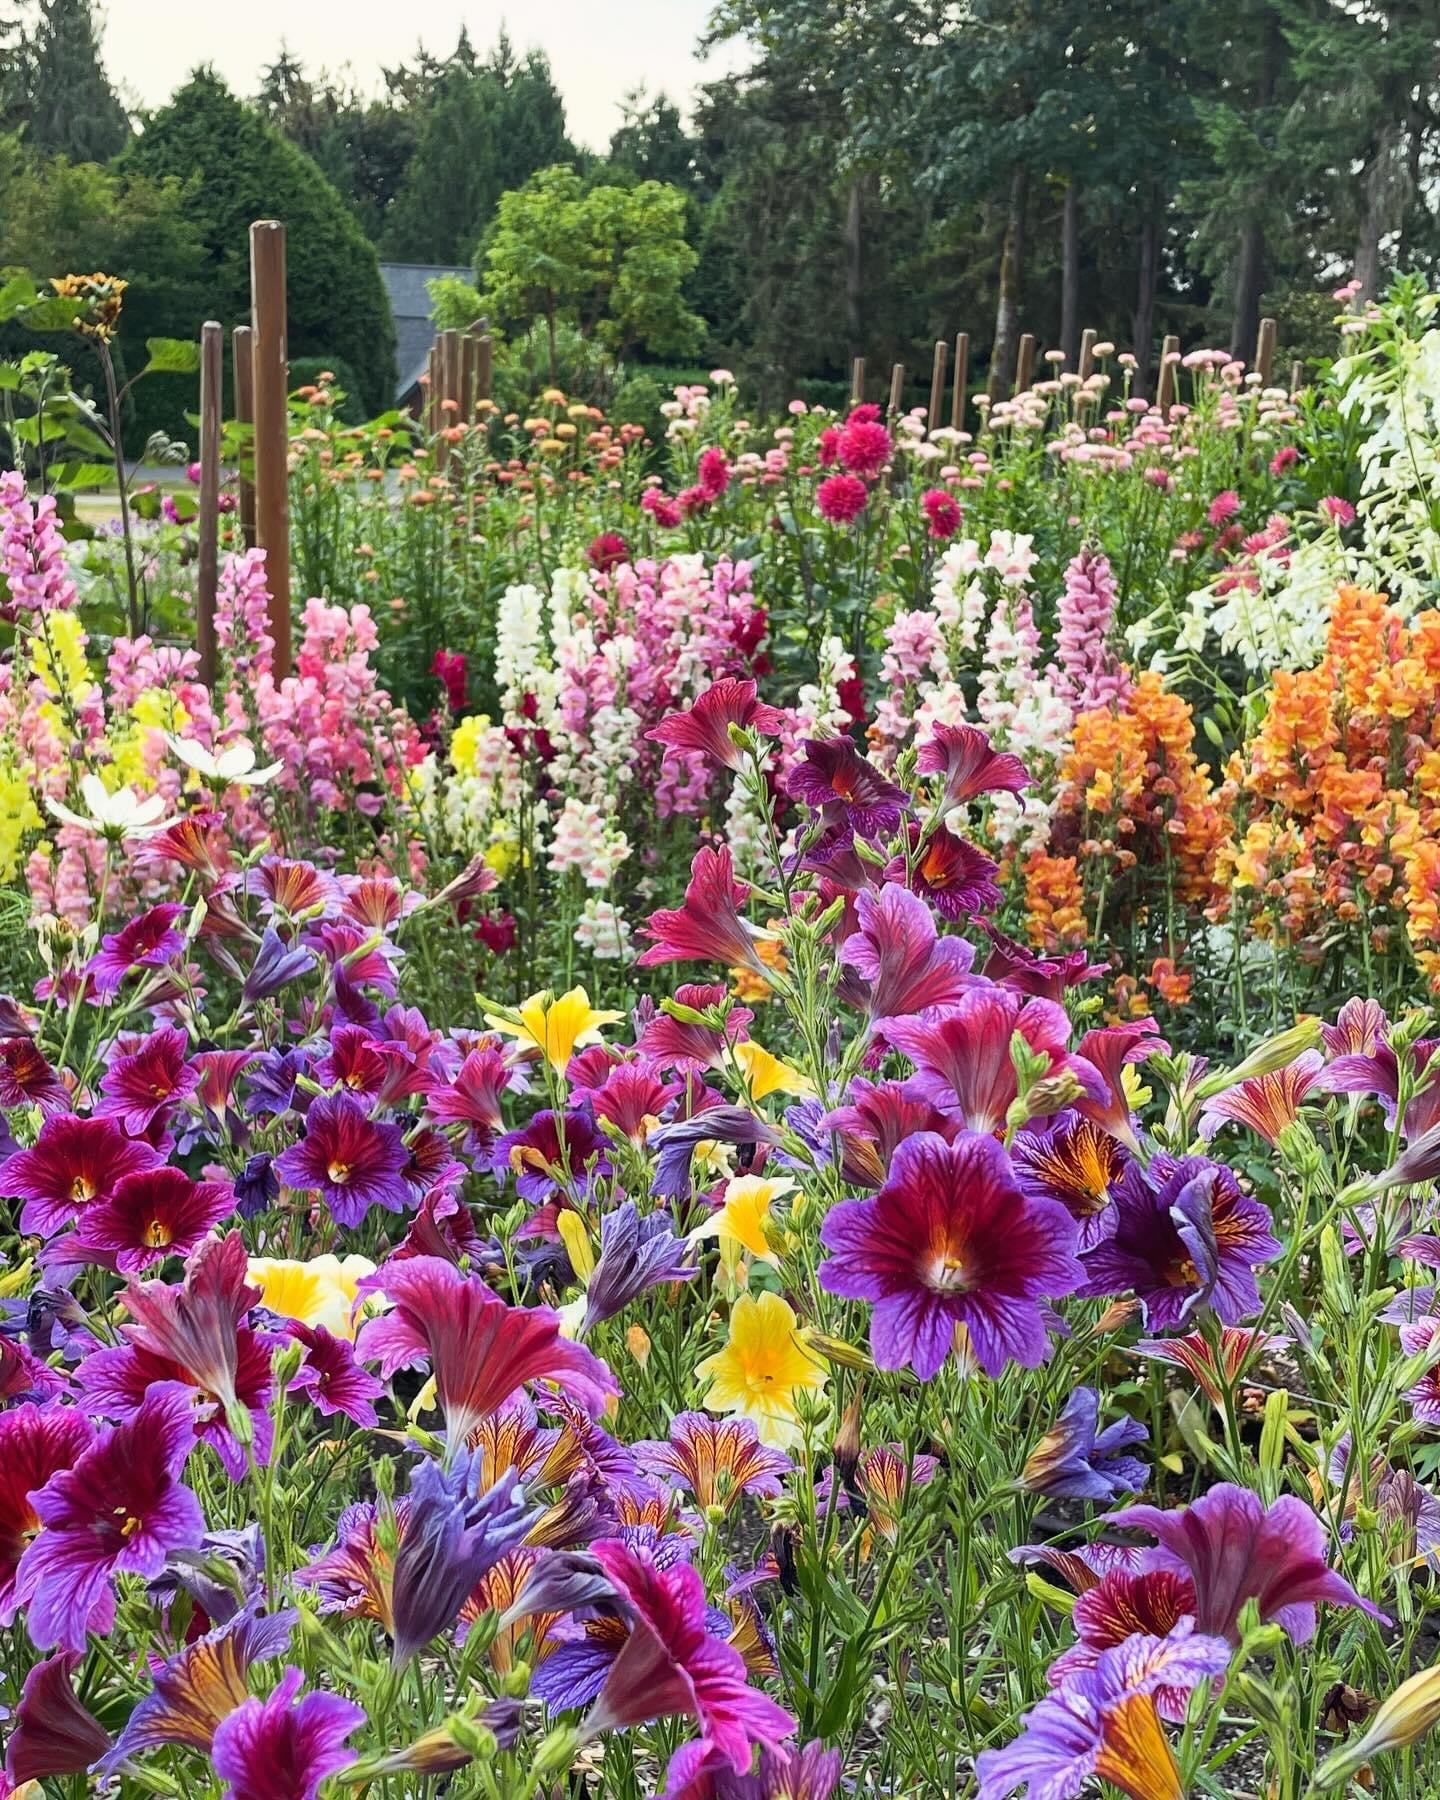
(339, 1173)
(948, 1274)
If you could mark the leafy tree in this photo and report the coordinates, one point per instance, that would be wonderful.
(238, 168)
(652, 143)
(69, 107)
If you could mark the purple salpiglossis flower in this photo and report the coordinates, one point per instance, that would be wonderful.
(257, 1187)
(963, 1051)
(472, 1097)
(635, 1253)
(1029, 972)
(783, 1773)
(877, 1119)
(73, 1163)
(36, 1442)
(1235, 1548)
(276, 965)
(905, 966)
(198, 1688)
(1185, 1236)
(1108, 1051)
(1360, 1028)
(544, 1163)
(1378, 1074)
(355, 1161)
(1077, 1461)
(270, 1083)
(118, 1510)
(833, 773)
(1104, 1723)
(1122, 1602)
(149, 942)
(304, 1737)
(138, 1088)
(955, 875)
(950, 1240)
(27, 1079)
(676, 1144)
(23, 1376)
(152, 1215)
(633, 1099)
(53, 1732)
(719, 1461)
(331, 1376)
(1072, 1160)
(672, 1043)
(222, 1576)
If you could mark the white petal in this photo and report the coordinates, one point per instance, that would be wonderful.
(66, 817)
(193, 755)
(236, 761)
(92, 792)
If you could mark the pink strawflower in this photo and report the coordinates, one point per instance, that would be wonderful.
(1223, 508)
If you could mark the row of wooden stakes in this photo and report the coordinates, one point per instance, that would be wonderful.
(459, 375)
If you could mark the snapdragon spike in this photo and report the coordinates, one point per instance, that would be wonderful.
(705, 726)
(950, 1240)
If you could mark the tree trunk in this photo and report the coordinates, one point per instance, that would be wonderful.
(1379, 186)
(1144, 332)
(1070, 274)
(1249, 283)
(1012, 269)
(854, 271)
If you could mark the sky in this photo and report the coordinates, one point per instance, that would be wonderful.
(598, 49)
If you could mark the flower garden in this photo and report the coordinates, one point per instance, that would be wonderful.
(769, 1132)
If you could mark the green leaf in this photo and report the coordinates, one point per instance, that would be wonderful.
(52, 314)
(18, 291)
(9, 377)
(85, 475)
(172, 356)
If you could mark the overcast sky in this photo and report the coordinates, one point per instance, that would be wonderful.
(599, 49)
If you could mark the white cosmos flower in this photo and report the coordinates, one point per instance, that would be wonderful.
(121, 814)
(235, 763)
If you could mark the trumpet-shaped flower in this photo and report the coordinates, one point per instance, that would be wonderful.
(283, 1747)
(1075, 1460)
(555, 1026)
(1122, 1603)
(635, 1253)
(833, 773)
(149, 1216)
(1267, 1104)
(719, 1461)
(740, 1221)
(708, 927)
(763, 1368)
(956, 877)
(355, 1161)
(1076, 1163)
(52, 1732)
(74, 1163)
(904, 966)
(951, 1240)
(964, 755)
(139, 1087)
(148, 942)
(963, 1052)
(765, 1074)
(323, 1290)
(705, 726)
(36, 1442)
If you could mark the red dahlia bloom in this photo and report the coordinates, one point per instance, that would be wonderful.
(607, 552)
(942, 512)
(705, 726)
(713, 471)
(841, 498)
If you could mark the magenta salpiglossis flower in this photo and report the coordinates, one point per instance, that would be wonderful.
(199, 1687)
(670, 1666)
(1360, 1028)
(633, 1099)
(139, 1087)
(1109, 1051)
(472, 1097)
(1104, 1722)
(833, 774)
(53, 1733)
(963, 1051)
(147, 1217)
(377, 902)
(1416, 1336)
(1378, 1073)
(783, 1773)
(197, 842)
(293, 888)
(1235, 1548)
(1071, 1160)
(332, 1377)
(73, 1163)
(355, 1161)
(672, 1043)
(705, 726)
(904, 965)
(950, 1240)
(719, 1461)
(480, 1350)
(26, 1078)
(36, 1442)
(430, 1164)
(1185, 1236)
(118, 1510)
(24, 1377)
(964, 755)
(197, 1324)
(1075, 1460)
(552, 1155)
(950, 871)
(708, 927)
(297, 1741)
(149, 942)
(1121, 1603)
(1029, 971)
(1267, 1104)
(877, 1118)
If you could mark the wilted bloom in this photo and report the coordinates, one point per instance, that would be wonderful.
(139, 1087)
(670, 1665)
(479, 1349)
(52, 1732)
(322, 1290)
(678, 1141)
(118, 1510)
(1074, 1162)
(951, 1240)
(635, 1253)
(1236, 1548)
(282, 1748)
(971, 767)
(705, 726)
(148, 1216)
(762, 1369)
(719, 1461)
(148, 942)
(454, 1531)
(904, 966)
(670, 1042)
(197, 1689)
(1103, 1722)
(833, 773)
(708, 927)
(355, 1161)
(1076, 1461)
(74, 1163)
(554, 1026)
(1401, 1719)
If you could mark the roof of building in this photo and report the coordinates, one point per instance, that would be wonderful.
(407, 285)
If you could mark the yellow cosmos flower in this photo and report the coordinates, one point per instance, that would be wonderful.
(322, 1291)
(555, 1027)
(762, 1368)
(741, 1221)
(766, 1074)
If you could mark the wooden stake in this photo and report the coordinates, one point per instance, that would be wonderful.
(937, 385)
(1165, 388)
(272, 438)
(467, 379)
(242, 357)
(1265, 350)
(897, 388)
(447, 401)
(1297, 376)
(1088, 340)
(857, 381)
(484, 367)
(962, 375)
(207, 572)
(1025, 364)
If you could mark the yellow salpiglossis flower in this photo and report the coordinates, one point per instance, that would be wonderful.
(576, 1239)
(1132, 1085)
(762, 1368)
(766, 1074)
(741, 1221)
(322, 1291)
(555, 1027)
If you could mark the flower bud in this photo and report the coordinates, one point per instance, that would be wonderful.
(1270, 1054)
(846, 1447)
(555, 1755)
(516, 1680)
(1335, 1272)
(637, 1342)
